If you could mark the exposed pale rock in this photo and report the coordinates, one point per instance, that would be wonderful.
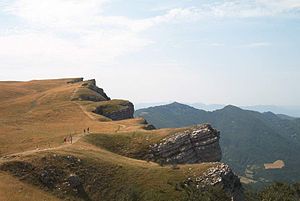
(195, 145)
(91, 84)
(222, 175)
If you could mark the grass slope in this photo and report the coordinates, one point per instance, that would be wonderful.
(14, 190)
(37, 115)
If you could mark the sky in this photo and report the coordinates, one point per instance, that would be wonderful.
(225, 52)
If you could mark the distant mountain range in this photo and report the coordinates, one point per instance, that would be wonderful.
(292, 111)
(249, 139)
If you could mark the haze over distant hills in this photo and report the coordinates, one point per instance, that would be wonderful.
(249, 139)
(292, 111)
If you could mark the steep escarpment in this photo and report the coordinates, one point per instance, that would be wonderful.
(99, 102)
(198, 144)
(114, 109)
(219, 175)
(88, 91)
(195, 145)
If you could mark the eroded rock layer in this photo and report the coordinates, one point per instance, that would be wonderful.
(89, 91)
(220, 175)
(115, 109)
(195, 145)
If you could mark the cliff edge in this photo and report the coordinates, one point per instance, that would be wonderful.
(195, 145)
(99, 102)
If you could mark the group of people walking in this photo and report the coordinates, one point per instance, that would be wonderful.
(86, 130)
(68, 139)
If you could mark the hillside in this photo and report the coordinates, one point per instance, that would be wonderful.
(248, 139)
(108, 158)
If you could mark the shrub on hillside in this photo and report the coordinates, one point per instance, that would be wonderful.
(210, 193)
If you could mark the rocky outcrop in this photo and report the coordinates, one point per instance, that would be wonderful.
(195, 145)
(90, 92)
(146, 125)
(100, 103)
(91, 84)
(115, 109)
(149, 127)
(220, 175)
(75, 80)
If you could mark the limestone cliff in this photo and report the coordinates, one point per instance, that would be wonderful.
(99, 102)
(115, 109)
(88, 91)
(219, 175)
(195, 145)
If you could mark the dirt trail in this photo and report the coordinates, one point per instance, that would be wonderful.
(89, 115)
(24, 153)
(75, 139)
(85, 112)
(82, 108)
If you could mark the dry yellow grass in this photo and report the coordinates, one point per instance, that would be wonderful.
(12, 189)
(39, 114)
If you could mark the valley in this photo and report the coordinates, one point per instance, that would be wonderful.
(250, 141)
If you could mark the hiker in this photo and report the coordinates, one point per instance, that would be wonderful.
(88, 130)
(71, 139)
(84, 131)
(65, 139)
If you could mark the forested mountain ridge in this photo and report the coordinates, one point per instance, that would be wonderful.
(249, 139)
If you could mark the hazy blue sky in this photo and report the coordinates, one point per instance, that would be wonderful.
(224, 52)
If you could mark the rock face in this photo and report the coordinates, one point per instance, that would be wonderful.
(91, 84)
(116, 110)
(222, 175)
(194, 145)
(89, 92)
(102, 104)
